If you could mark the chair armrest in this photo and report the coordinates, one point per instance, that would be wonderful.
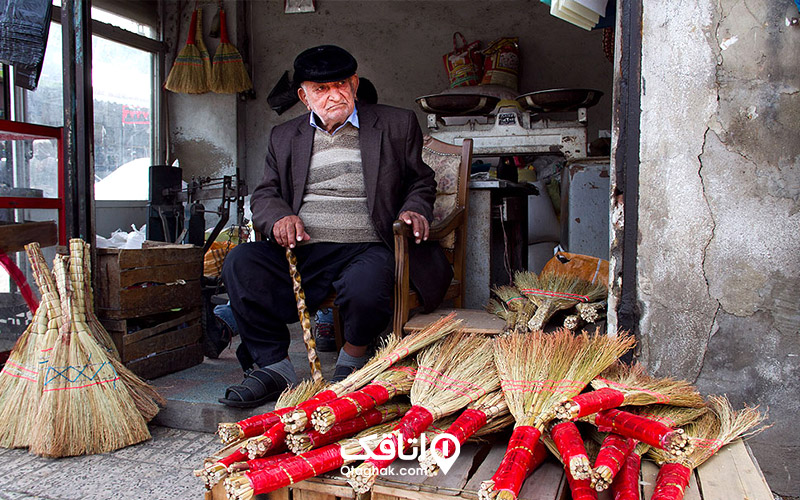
(438, 230)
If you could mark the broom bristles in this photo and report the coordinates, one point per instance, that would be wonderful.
(189, 72)
(552, 292)
(228, 74)
(642, 389)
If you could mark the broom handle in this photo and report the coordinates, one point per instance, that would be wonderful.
(305, 318)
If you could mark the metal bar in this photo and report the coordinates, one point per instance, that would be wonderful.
(18, 131)
(18, 202)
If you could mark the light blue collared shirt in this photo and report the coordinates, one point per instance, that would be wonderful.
(352, 119)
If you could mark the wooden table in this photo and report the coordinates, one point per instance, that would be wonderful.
(731, 474)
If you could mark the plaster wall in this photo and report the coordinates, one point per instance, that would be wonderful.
(718, 260)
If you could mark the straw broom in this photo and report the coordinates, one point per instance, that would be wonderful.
(450, 375)
(489, 408)
(148, 401)
(625, 384)
(552, 292)
(654, 433)
(494, 306)
(537, 371)
(514, 300)
(625, 483)
(189, 73)
(613, 454)
(396, 381)
(245, 486)
(304, 441)
(230, 432)
(217, 466)
(592, 311)
(305, 318)
(396, 349)
(710, 433)
(82, 409)
(228, 74)
(580, 488)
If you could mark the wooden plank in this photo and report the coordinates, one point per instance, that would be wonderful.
(165, 342)
(545, 482)
(170, 272)
(136, 336)
(649, 475)
(303, 494)
(147, 257)
(731, 473)
(167, 362)
(338, 487)
(486, 469)
(138, 302)
(14, 237)
(475, 321)
(456, 477)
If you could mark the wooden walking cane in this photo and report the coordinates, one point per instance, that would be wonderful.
(305, 318)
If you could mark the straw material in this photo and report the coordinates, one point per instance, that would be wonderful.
(189, 73)
(228, 74)
(593, 311)
(553, 292)
(393, 350)
(516, 302)
(83, 409)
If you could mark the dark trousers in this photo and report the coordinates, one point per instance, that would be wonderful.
(257, 278)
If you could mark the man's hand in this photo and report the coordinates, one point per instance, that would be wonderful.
(419, 224)
(289, 230)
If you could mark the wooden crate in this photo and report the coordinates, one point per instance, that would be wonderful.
(730, 474)
(141, 282)
(156, 345)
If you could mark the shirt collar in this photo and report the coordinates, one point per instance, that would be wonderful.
(352, 119)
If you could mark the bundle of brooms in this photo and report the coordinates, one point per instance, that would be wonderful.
(537, 371)
(488, 414)
(552, 292)
(629, 385)
(711, 432)
(580, 488)
(513, 307)
(450, 375)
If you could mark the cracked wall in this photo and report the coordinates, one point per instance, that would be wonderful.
(719, 259)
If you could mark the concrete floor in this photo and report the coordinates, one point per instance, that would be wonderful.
(161, 468)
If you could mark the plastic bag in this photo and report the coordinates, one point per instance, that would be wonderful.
(283, 95)
(464, 63)
(501, 63)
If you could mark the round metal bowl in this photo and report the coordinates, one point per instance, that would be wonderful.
(458, 104)
(546, 101)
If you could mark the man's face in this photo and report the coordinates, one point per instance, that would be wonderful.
(332, 102)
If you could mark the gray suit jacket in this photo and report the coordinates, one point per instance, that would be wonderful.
(395, 178)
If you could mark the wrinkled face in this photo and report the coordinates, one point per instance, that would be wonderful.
(332, 102)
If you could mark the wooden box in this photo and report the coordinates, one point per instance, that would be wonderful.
(157, 345)
(142, 282)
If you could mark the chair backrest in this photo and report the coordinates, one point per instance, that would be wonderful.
(451, 166)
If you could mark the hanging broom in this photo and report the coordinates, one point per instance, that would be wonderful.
(552, 292)
(489, 408)
(396, 349)
(537, 371)
(396, 381)
(313, 463)
(305, 441)
(451, 374)
(83, 409)
(189, 73)
(216, 467)
(230, 432)
(710, 433)
(305, 318)
(625, 384)
(228, 74)
(625, 484)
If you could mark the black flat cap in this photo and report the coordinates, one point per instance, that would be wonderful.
(326, 63)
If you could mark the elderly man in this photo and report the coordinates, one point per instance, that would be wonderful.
(334, 182)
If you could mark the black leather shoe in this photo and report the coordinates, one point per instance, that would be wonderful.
(258, 387)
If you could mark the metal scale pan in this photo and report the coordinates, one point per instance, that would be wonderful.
(556, 100)
(458, 104)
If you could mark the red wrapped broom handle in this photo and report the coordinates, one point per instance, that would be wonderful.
(671, 482)
(296, 469)
(257, 464)
(258, 424)
(413, 423)
(594, 401)
(626, 482)
(350, 405)
(633, 426)
(464, 426)
(570, 445)
(347, 428)
(518, 461)
(192, 28)
(581, 489)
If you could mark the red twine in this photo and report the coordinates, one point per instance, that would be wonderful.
(557, 295)
(464, 426)
(626, 482)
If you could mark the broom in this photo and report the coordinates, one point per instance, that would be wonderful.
(216, 467)
(450, 375)
(625, 484)
(145, 396)
(305, 318)
(625, 384)
(652, 432)
(489, 408)
(710, 433)
(537, 371)
(494, 306)
(613, 454)
(592, 311)
(230, 432)
(228, 74)
(82, 410)
(396, 349)
(514, 300)
(189, 73)
(313, 463)
(304, 441)
(396, 381)
(552, 292)
(580, 489)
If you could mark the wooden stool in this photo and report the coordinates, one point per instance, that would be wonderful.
(474, 321)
